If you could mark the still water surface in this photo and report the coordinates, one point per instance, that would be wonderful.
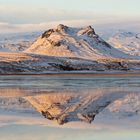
(21, 86)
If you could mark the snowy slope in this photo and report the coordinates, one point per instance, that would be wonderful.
(127, 42)
(17, 42)
(73, 42)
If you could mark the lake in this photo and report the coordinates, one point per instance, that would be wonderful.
(115, 100)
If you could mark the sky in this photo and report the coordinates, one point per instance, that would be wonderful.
(42, 13)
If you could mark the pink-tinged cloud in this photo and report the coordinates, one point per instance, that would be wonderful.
(100, 24)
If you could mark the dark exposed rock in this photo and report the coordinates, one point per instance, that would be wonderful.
(89, 31)
(61, 28)
(55, 43)
(46, 34)
(62, 67)
(87, 117)
(47, 115)
(62, 119)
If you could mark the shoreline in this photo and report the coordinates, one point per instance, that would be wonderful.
(78, 74)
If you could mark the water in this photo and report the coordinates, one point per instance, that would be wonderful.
(21, 121)
(56, 83)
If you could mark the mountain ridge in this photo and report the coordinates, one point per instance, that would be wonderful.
(128, 42)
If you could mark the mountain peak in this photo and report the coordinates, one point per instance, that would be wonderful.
(62, 28)
(87, 31)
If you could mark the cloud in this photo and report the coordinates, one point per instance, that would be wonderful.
(99, 24)
(24, 14)
(17, 18)
(7, 27)
(18, 14)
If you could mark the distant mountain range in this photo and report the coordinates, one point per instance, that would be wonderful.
(127, 42)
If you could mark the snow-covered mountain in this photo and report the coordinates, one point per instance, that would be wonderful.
(73, 42)
(64, 49)
(127, 42)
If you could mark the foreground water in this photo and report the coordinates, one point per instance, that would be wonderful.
(20, 120)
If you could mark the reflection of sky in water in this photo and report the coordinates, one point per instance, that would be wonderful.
(45, 133)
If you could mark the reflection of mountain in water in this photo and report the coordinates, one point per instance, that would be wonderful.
(67, 107)
(79, 105)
